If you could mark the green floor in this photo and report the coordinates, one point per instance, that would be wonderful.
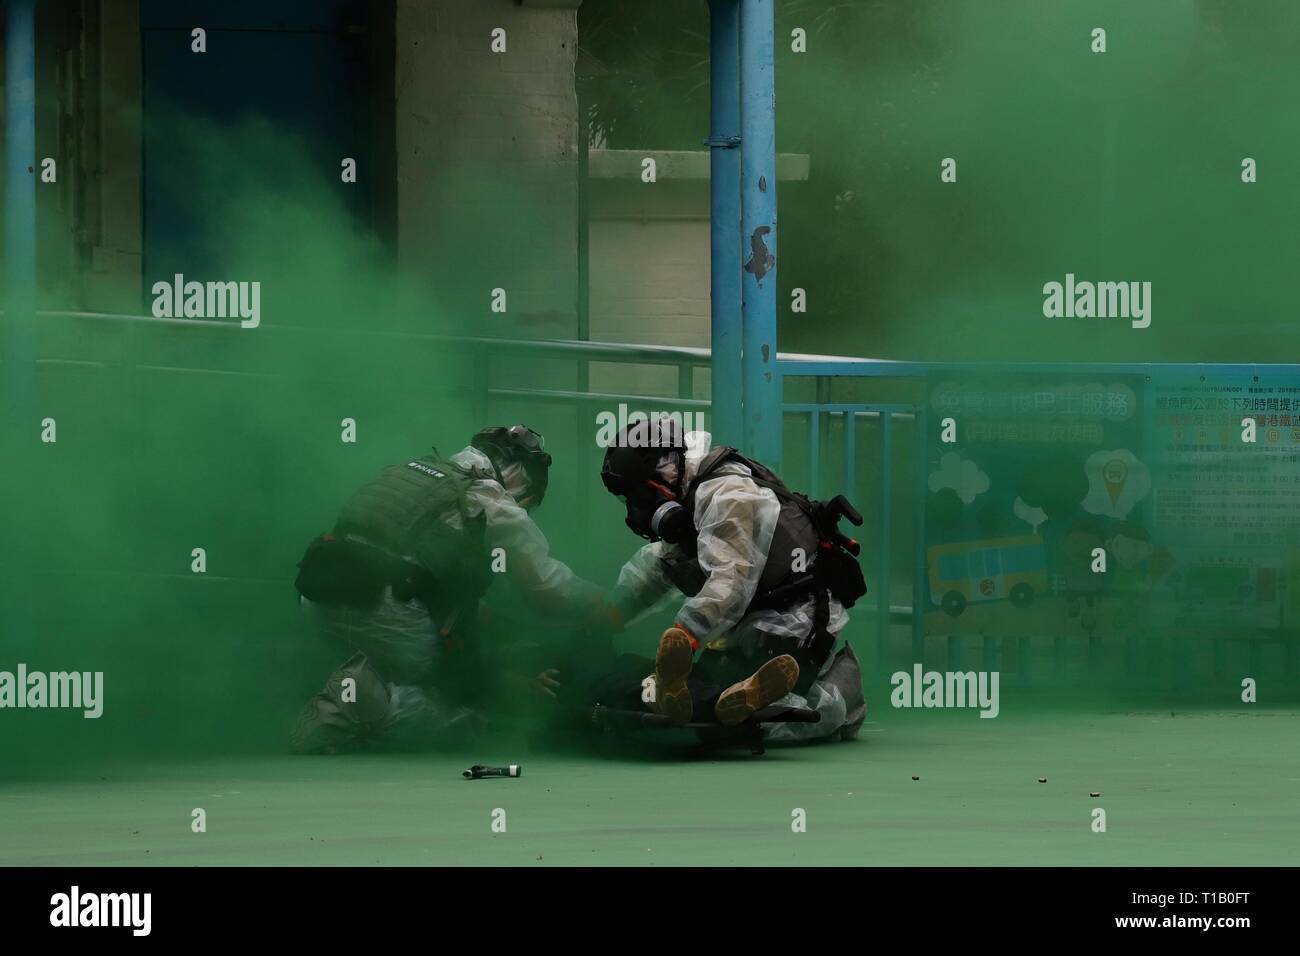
(1204, 788)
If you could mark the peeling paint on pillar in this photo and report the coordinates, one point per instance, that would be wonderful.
(761, 261)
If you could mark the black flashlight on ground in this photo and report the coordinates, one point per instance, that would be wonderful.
(478, 771)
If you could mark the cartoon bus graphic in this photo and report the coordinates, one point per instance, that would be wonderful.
(991, 569)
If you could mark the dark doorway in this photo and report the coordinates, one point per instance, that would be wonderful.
(311, 78)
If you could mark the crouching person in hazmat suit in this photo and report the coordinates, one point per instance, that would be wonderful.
(764, 571)
(399, 581)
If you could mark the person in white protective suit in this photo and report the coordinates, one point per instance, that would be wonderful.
(760, 577)
(399, 580)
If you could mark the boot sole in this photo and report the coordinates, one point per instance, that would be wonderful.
(766, 685)
(672, 666)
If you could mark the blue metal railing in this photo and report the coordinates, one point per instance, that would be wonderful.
(850, 415)
(863, 448)
(824, 370)
(490, 386)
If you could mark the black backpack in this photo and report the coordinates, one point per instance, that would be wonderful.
(836, 565)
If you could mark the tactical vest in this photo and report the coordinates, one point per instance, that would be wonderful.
(794, 529)
(401, 512)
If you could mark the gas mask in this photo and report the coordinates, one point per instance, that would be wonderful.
(650, 484)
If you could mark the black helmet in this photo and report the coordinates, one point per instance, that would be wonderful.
(517, 444)
(632, 458)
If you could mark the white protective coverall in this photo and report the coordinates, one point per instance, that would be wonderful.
(736, 520)
(397, 638)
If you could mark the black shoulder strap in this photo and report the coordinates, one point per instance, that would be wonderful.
(759, 473)
(714, 459)
(710, 464)
(459, 470)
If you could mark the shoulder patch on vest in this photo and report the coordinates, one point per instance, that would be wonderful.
(428, 470)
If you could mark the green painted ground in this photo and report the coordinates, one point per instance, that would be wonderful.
(1205, 788)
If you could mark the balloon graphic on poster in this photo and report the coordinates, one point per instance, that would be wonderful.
(1114, 473)
(1117, 481)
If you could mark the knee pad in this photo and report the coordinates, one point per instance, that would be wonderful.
(845, 675)
(358, 692)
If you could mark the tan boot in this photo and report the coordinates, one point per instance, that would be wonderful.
(672, 667)
(766, 685)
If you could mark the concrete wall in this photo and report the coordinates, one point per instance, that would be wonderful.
(650, 258)
(649, 276)
(88, 220)
(113, 279)
(487, 161)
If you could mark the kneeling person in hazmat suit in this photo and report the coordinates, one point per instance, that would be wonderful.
(399, 581)
(765, 573)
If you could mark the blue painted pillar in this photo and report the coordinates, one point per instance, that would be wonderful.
(724, 188)
(762, 384)
(18, 424)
